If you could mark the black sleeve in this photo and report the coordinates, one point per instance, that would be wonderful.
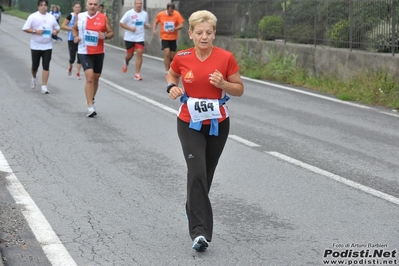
(69, 17)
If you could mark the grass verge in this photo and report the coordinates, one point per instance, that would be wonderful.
(368, 87)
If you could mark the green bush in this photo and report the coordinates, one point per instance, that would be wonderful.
(338, 35)
(271, 27)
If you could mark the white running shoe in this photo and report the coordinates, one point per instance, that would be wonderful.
(45, 90)
(200, 243)
(33, 83)
(91, 112)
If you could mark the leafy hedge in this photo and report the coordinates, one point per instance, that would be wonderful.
(271, 27)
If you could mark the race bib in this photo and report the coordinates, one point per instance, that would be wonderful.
(46, 32)
(169, 25)
(139, 23)
(203, 109)
(91, 37)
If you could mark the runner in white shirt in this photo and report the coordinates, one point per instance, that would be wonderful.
(134, 21)
(41, 25)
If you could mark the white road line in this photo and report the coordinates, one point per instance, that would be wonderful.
(244, 141)
(139, 96)
(391, 114)
(307, 93)
(48, 239)
(337, 178)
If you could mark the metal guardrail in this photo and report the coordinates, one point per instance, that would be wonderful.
(369, 25)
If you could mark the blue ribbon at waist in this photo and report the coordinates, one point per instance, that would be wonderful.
(214, 130)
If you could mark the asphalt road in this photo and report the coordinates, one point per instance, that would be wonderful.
(304, 179)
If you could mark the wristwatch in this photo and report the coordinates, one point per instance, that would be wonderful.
(105, 35)
(34, 31)
(170, 85)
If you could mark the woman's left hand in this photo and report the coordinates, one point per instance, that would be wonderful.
(216, 79)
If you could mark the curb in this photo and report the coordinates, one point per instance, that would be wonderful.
(1, 259)
(1, 251)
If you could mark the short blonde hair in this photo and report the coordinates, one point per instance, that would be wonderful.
(202, 16)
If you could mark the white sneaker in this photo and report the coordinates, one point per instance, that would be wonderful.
(200, 243)
(91, 112)
(33, 83)
(45, 90)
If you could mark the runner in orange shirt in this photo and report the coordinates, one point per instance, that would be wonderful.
(171, 21)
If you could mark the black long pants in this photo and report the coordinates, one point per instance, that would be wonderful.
(201, 152)
(73, 52)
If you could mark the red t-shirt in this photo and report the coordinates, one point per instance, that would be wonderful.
(195, 77)
(91, 26)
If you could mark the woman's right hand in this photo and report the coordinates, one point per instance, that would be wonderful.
(175, 92)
